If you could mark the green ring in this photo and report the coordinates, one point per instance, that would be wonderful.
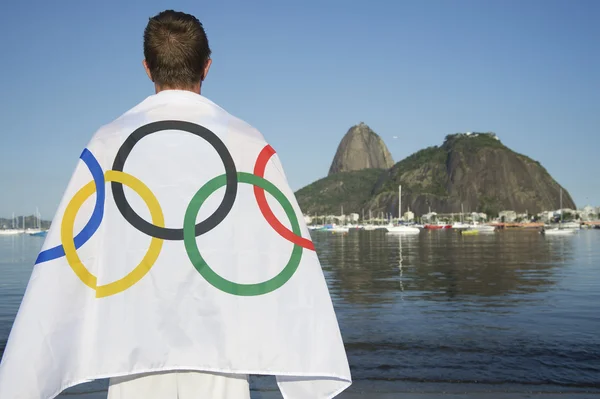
(189, 238)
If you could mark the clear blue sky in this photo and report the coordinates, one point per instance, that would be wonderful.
(303, 73)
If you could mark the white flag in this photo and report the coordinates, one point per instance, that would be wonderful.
(178, 245)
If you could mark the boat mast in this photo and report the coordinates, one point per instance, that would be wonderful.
(561, 210)
(399, 203)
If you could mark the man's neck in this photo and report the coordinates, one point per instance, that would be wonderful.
(197, 89)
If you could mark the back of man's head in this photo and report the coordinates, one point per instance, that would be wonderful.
(176, 50)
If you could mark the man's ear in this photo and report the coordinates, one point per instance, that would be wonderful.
(145, 64)
(206, 68)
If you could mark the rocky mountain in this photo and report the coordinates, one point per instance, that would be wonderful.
(473, 169)
(361, 148)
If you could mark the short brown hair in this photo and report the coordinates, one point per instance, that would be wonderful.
(176, 49)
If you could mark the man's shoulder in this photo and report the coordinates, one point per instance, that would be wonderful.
(239, 126)
(143, 113)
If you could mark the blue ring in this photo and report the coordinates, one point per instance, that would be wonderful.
(92, 225)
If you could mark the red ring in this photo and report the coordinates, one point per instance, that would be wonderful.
(261, 199)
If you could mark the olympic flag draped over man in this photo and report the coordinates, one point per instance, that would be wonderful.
(178, 245)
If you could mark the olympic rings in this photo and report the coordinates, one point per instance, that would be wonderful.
(92, 225)
(204, 269)
(190, 229)
(167, 233)
(69, 246)
(261, 199)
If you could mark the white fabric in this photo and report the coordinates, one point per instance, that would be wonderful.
(173, 318)
(180, 385)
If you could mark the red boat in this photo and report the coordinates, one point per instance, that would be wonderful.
(438, 226)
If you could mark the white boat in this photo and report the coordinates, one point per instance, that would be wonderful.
(339, 229)
(560, 230)
(370, 227)
(483, 228)
(401, 229)
(571, 225)
(460, 226)
(37, 229)
(13, 230)
(336, 228)
(10, 232)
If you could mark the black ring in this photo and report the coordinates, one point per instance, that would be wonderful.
(163, 232)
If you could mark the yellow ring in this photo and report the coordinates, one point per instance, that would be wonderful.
(66, 235)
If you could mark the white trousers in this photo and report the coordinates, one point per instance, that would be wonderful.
(180, 385)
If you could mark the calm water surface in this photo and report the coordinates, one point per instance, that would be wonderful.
(436, 313)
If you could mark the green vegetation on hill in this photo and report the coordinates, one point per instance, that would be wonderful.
(348, 189)
(422, 172)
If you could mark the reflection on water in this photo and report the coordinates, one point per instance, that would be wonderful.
(438, 312)
(370, 267)
(510, 308)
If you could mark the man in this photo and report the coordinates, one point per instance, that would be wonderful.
(194, 275)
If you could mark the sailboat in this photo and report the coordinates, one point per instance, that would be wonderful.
(37, 229)
(460, 225)
(400, 229)
(13, 230)
(558, 231)
(342, 228)
(370, 226)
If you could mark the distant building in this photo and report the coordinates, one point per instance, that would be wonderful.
(508, 216)
(589, 213)
(354, 217)
(428, 217)
(546, 216)
(308, 219)
(408, 216)
(478, 216)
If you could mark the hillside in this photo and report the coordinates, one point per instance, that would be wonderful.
(475, 170)
(348, 189)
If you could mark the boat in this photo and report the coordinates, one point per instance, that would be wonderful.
(10, 232)
(41, 233)
(460, 225)
(560, 230)
(437, 226)
(13, 230)
(336, 228)
(483, 228)
(571, 225)
(400, 228)
(37, 229)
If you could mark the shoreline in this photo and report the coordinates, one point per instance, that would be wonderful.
(403, 395)
(416, 390)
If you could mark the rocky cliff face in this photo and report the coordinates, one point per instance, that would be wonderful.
(361, 148)
(476, 171)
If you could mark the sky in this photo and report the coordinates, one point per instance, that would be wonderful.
(303, 73)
